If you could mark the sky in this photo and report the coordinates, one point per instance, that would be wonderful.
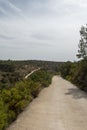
(41, 29)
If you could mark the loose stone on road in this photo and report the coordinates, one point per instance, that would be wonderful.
(61, 106)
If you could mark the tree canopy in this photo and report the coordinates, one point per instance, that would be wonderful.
(82, 52)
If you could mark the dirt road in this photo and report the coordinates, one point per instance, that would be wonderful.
(61, 106)
(31, 73)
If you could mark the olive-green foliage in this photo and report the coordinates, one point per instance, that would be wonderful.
(35, 89)
(65, 69)
(76, 73)
(80, 76)
(3, 115)
(43, 77)
(15, 99)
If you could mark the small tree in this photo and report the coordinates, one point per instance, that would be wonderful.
(82, 52)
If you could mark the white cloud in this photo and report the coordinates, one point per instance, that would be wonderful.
(3, 11)
(47, 30)
(7, 9)
(14, 7)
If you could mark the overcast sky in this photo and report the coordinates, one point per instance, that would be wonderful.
(41, 29)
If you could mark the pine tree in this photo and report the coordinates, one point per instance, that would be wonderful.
(82, 52)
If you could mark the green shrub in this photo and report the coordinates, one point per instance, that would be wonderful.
(76, 73)
(15, 99)
(11, 116)
(65, 69)
(21, 105)
(43, 77)
(3, 115)
(35, 89)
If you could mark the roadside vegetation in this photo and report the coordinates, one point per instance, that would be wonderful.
(16, 92)
(14, 99)
(76, 72)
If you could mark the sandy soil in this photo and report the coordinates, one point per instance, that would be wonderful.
(61, 106)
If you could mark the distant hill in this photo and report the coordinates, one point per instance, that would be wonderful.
(12, 71)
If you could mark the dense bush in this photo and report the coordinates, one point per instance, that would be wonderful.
(3, 115)
(76, 73)
(65, 69)
(7, 67)
(15, 99)
(43, 77)
(80, 76)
